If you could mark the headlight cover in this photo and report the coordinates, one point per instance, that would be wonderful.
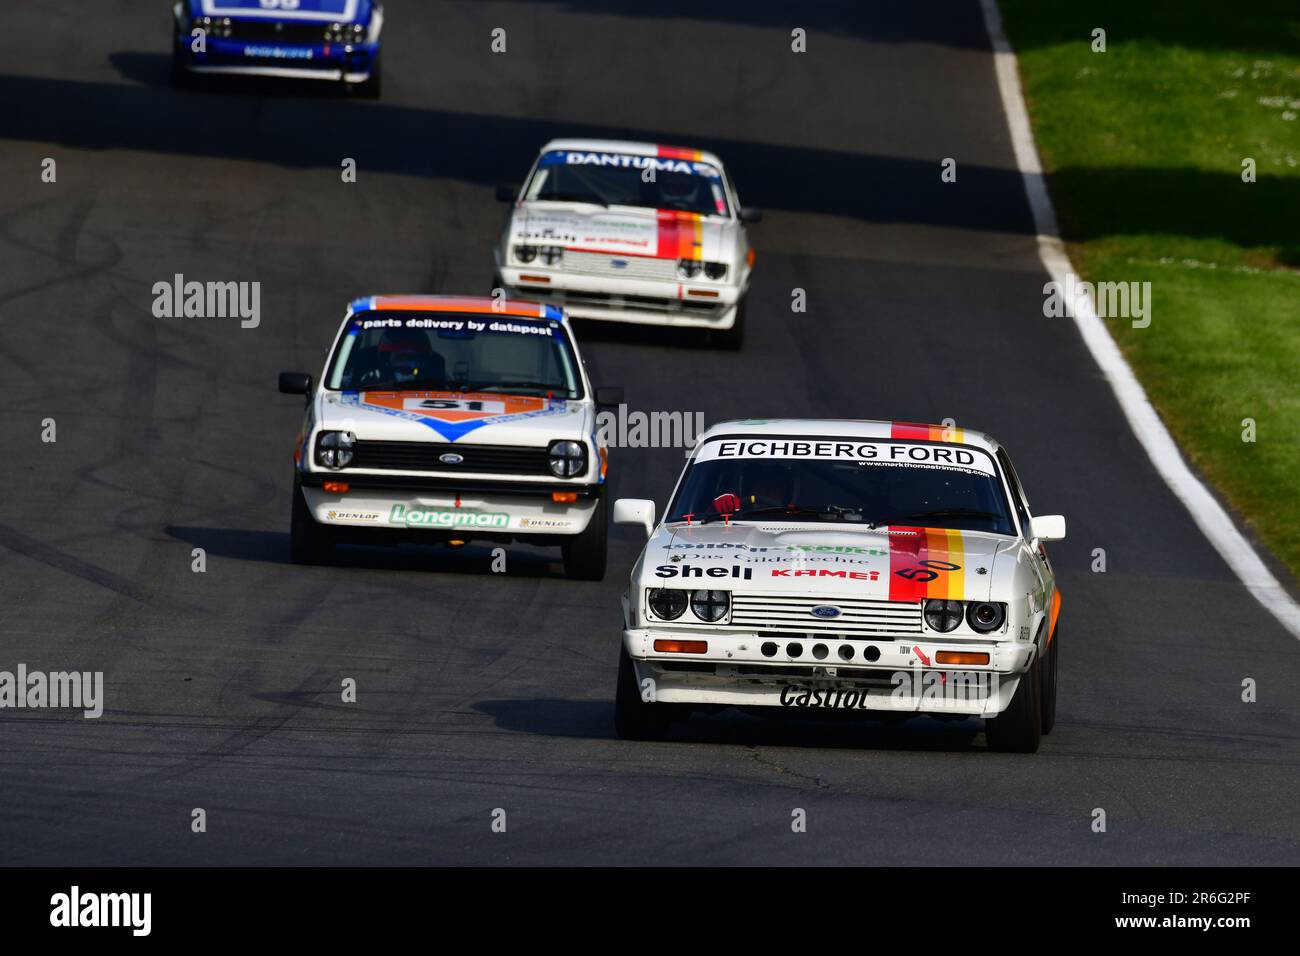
(942, 615)
(334, 449)
(710, 606)
(551, 255)
(525, 253)
(985, 616)
(715, 270)
(567, 459)
(668, 604)
(688, 268)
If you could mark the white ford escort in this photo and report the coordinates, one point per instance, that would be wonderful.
(445, 419)
(860, 567)
(630, 232)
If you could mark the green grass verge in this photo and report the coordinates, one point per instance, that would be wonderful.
(1143, 145)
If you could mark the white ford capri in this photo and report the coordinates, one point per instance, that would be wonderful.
(855, 567)
(630, 232)
(441, 419)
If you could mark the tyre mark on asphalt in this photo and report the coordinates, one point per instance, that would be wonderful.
(783, 771)
(29, 547)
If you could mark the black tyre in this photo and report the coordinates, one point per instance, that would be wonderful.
(634, 717)
(309, 543)
(181, 78)
(372, 87)
(1018, 729)
(1049, 682)
(731, 339)
(584, 554)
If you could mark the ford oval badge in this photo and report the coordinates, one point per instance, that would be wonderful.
(618, 263)
(451, 458)
(825, 610)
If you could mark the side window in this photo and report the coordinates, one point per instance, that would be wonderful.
(1017, 495)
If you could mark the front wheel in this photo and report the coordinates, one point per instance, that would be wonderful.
(732, 339)
(1049, 682)
(584, 553)
(309, 542)
(635, 717)
(1018, 729)
(181, 78)
(372, 86)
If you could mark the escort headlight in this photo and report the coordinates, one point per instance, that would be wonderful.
(985, 616)
(942, 615)
(525, 253)
(688, 268)
(668, 604)
(345, 33)
(334, 449)
(715, 270)
(551, 255)
(566, 459)
(213, 27)
(711, 606)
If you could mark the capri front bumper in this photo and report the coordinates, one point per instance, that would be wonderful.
(811, 673)
(710, 305)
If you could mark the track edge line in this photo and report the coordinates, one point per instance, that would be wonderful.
(1207, 513)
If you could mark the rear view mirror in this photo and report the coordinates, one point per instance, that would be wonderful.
(609, 395)
(295, 383)
(1047, 527)
(637, 511)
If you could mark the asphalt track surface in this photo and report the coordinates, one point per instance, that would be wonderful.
(479, 691)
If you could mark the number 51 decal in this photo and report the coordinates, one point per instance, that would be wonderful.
(928, 571)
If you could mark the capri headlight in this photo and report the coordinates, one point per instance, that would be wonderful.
(525, 253)
(668, 604)
(715, 270)
(334, 449)
(942, 615)
(711, 606)
(985, 616)
(567, 459)
(688, 268)
(551, 255)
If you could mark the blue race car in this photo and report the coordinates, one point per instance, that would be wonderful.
(312, 39)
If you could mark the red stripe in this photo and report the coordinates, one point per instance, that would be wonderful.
(677, 152)
(909, 431)
(676, 236)
(906, 551)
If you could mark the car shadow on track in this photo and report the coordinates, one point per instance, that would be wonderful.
(594, 720)
(154, 69)
(273, 547)
(145, 115)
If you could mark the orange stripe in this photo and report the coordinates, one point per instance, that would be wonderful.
(471, 304)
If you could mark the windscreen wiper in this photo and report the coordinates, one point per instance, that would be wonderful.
(795, 511)
(416, 385)
(572, 197)
(498, 386)
(935, 513)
